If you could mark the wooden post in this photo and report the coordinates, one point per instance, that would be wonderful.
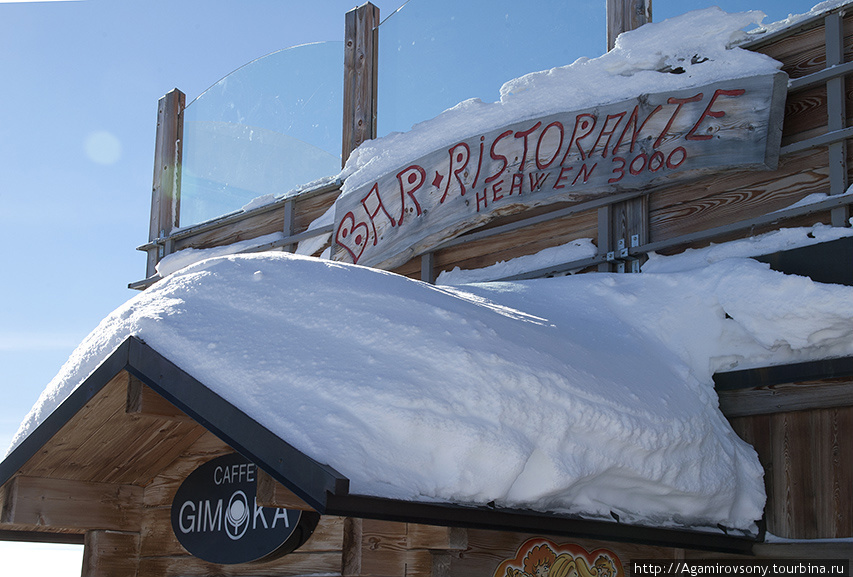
(625, 15)
(351, 553)
(360, 75)
(165, 193)
(837, 115)
(605, 241)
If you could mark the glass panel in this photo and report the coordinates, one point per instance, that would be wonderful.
(434, 54)
(267, 128)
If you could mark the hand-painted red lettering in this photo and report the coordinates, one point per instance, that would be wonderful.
(607, 132)
(410, 179)
(543, 165)
(500, 157)
(563, 176)
(517, 181)
(459, 156)
(584, 172)
(537, 180)
(376, 201)
(680, 102)
(525, 134)
(351, 236)
(586, 123)
(712, 113)
(632, 121)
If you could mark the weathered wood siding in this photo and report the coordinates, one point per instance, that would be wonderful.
(808, 473)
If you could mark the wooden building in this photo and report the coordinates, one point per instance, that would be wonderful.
(106, 467)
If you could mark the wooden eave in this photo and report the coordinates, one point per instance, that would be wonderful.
(96, 440)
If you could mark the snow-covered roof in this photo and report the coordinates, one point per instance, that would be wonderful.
(585, 395)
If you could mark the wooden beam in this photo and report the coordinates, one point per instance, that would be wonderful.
(788, 397)
(434, 537)
(110, 554)
(165, 193)
(361, 52)
(271, 493)
(142, 400)
(65, 504)
(625, 15)
(836, 94)
(41, 537)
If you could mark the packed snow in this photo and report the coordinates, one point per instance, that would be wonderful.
(587, 394)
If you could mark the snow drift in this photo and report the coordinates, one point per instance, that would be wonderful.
(587, 395)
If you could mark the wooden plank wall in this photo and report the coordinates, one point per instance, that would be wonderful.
(808, 472)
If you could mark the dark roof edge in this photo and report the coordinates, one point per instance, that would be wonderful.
(782, 374)
(322, 487)
(528, 521)
(309, 480)
(43, 537)
(29, 446)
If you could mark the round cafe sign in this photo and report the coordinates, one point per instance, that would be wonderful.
(215, 515)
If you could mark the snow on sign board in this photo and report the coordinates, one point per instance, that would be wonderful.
(567, 156)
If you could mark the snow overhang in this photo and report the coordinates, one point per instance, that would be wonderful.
(319, 485)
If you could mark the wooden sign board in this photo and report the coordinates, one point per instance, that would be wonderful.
(573, 156)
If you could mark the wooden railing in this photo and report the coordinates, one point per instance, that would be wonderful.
(625, 227)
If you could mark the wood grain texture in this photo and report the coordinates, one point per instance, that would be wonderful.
(110, 554)
(271, 493)
(165, 198)
(809, 480)
(307, 208)
(787, 397)
(68, 504)
(296, 563)
(485, 252)
(142, 400)
(732, 197)
(360, 77)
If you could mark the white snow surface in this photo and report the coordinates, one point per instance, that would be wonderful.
(702, 43)
(794, 19)
(584, 394)
(185, 257)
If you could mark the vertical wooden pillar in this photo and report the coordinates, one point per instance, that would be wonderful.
(428, 267)
(621, 227)
(605, 241)
(837, 115)
(361, 53)
(625, 15)
(351, 554)
(110, 554)
(165, 193)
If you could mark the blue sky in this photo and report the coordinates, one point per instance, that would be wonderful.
(81, 80)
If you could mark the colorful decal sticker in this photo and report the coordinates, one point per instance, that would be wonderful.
(543, 558)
